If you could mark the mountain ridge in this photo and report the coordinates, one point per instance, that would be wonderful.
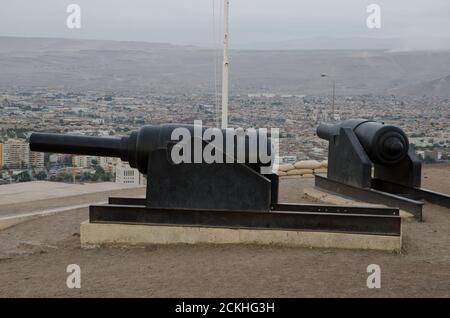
(80, 65)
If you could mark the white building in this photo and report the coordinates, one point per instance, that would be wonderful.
(57, 158)
(16, 154)
(36, 160)
(126, 174)
(108, 164)
(82, 161)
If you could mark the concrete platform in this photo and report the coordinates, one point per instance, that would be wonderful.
(100, 234)
(45, 190)
(9, 221)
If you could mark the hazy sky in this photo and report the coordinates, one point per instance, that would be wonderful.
(191, 21)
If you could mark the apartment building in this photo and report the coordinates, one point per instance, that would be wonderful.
(36, 160)
(82, 161)
(126, 174)
(16, 154)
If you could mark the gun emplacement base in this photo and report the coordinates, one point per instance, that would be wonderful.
(126, 221)
(406, 198)
(326, 218)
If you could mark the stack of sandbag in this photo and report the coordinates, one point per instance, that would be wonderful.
(305, 168)
(284, 169)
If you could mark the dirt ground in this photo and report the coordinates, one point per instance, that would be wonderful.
(34, 256)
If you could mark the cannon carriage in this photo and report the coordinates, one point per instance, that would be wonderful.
(228, 194)
(374, 162)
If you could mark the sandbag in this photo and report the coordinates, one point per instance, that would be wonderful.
(286, 167)
(295, 172)
(305, 171)
(320, 170)
(308, 164)
(324, 163)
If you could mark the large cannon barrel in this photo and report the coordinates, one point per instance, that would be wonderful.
(137, 147)
(385, 144)
(81, 145)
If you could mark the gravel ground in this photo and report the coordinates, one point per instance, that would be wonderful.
(34, 256)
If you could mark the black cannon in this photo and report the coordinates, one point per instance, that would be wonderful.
(359, 149)
(384, 144)
(236, 185)
(238, 190)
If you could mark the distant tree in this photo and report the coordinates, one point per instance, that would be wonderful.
(94, 177)
(86, 176)
(99, 170)
(23, 177)
(41, 175)
(106, 177)
(20, 134)
(63, 177)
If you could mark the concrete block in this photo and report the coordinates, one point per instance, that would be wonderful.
(101, 234)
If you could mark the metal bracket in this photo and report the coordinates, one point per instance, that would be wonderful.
(327, 218)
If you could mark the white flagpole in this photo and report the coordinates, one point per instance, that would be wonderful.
(225, 65)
